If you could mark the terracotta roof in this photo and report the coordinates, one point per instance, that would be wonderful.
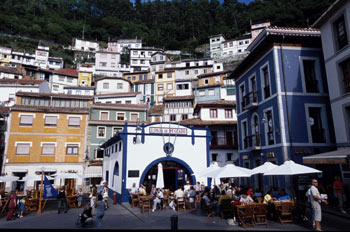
(30, 108)
(177, 98)
(20, 81)
(156, 110)
(217, 104)
(67, 71)
(5, 69)
(4, 110)
(118, 94)
(214, 73)
(199, 122)
(55, 95)
(118, 105)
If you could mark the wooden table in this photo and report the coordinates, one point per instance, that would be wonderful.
(146, 202)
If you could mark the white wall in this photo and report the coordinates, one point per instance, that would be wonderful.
(56, 82)
(114, 99)
(113, 84)
(7, 92)
(205, 114)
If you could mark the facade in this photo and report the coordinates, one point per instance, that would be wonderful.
(46, 131)
(164, 85)
(215, 45)
(42, 57)
(123, 44)
(104, 85)
(228, 90)
(10, 73)
(5, 56)
(107, 62)
(283, 107)
(177, 108)
(55, 63)
(335, 34)
(235, 48)
(183, 87)
(62, 78)
(119, 98)
(133, 156)
(22, 58)
(4, 119)
(155, 114)
(137, 76)
(79, 90)
(85, 45)
(146, 88)
(140, 58)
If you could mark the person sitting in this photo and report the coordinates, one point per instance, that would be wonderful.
(245, 199)
(198, 187)
(270, 207)
(221, 198)
(283, 196)
(142, 190)
(250, 192)
(179, 193)
(153, 191)
(258, 193)
(134, 189)
(158, 199)
(275, 193)
(187, 187)
(213, 205)
(191, 195)
(86, 216)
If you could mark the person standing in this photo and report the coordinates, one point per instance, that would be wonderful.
(61, 197)
(12, 205)
(338, 187)
(80, 197)
(93, 198)
(315, 199)
(102, 184)
(105, 195)
(100, 210)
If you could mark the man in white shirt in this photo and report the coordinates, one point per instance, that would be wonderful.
(198, 187)
(315, 200)
(245, 199)
(134, 189)
(158, 199)
(187, 187)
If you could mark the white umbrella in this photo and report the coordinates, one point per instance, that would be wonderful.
(8, 178)
(214, 166)
(35, 178)
(68, 176)
(229, 170)
(291, 168)
(160, 177)
(267, 166)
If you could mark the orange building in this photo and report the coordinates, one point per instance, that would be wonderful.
(46, 131)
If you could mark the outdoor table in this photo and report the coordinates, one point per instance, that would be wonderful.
(146, 202)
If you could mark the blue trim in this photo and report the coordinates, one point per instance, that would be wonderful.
(146, 170)
(192, 128)
(173, 135)
(154, 123)
(124, 191)
(143, 133)
(209, 138)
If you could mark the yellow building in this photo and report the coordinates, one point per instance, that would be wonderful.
(164, 85)
(137, 76)
(212, 79)
(46, 131)
(5, 56)
(84, 78)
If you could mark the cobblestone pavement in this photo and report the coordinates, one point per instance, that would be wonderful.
(125, 217)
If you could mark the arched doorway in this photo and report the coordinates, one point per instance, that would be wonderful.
(176, 173)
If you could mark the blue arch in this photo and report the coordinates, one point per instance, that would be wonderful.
(193, 178)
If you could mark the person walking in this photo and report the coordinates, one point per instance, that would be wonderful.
(315, 200)
(105, 195)
(338, 187)
(61, 197)
(12, 205)
(93, 199)
(80, 197)
(100, 210)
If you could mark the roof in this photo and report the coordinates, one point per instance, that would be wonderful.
(132, 73)
(178, 98)
(120, 106)
(156, 110)
(4, 110)
(214, 73)
(67, 71)
(144, 81)
(217, 104)
(5, 69)
(147, 49)
(118, 94)
(208, 86)
(199, 122)
(54, 95)
(334, 7)
(212, 36)
(7, 81)
(79, 87)
(334, 157)
(51, 109)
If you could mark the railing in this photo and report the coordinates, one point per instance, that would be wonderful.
(312, 86)
(252, 142)
(222, 142)
(249, 100)
(318, 135)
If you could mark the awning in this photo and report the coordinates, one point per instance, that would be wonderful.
(19, 170)
(93, 171)
(339, 156)
(46, 170)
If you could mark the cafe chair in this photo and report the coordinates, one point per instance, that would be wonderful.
(259, 200)
(146, 205)
(31, 204)
(226, 209)
(181, 204)
(260, 213)
(246, 215)
(134, 200)
(205, 208)
(165, 199)
(192, 205)
(285, 212)
(72, 201)
(140, 202)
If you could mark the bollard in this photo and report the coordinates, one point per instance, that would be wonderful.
(173, 220)
(114, 198)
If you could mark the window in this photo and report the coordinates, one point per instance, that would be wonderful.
(105, 85)
(270, 128)
(211, 92)
(121, 116)
(228, 156)
(214, 157)
(104, 115)
(310, 76)
(74, 121)
(266, 84)
(240, 42)
(206, 81)
(184, 116)
(187, 72)
(228, 113)
(317, 131)
(112, 65)
(160, 99)
(169, 86)
(345, 68)
(134, 52)
(72, 149)
(101, 132)
(231, 91)
(160, 87)
(120, 86)
(22, 148)
(195, 71)
(225, 45)
(48, 149)
(26, 120)
(169, 75)
(128, 102)
(201, 93)
(217, 80)
(340, 33)
(246, 42)
(51, 121)
(133, 78)
(160, 76)
(114, 132)
(103, 64)
(61, 78)
(241, 88)
(213, 113)
(134, 117)
(239, 50)
(173, 117)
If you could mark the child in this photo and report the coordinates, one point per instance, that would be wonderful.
(80, 197)
(21, 207)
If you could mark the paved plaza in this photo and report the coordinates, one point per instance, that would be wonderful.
(123, 217)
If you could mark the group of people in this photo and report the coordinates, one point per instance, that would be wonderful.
(15, 205)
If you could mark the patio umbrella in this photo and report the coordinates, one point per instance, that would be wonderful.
(214, 166)
(68, 176)
(160, 177)
(35, 178)
(291, 168)
(8, 178)
(267, 166)
(229, 170)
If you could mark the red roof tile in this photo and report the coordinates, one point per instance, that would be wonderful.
(67, 71)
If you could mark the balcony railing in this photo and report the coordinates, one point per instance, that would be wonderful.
(318, 135)
(312, 86)
(250, 100)
(222, 142)
(252, 142)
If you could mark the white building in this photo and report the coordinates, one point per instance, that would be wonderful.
(335, 34)
(55, 63)
(62, 78)
(228, 90)
(107, 62)
(107, 85)
(124, 44)
(183, 87)
(10, 73)
(140, 59)
(215, 45)
(22, 58)
(178, 108)
(133, 156)
(79, 90)
(235, 48)
(42, 57)
(85, 45)
(119, 98)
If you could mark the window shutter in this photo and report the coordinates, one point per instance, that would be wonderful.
(51, 120)
(74, 121)
(104, 115)
(23, 149)
(48, 149)
(27, 119)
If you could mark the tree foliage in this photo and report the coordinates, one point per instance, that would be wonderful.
(176, 24)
